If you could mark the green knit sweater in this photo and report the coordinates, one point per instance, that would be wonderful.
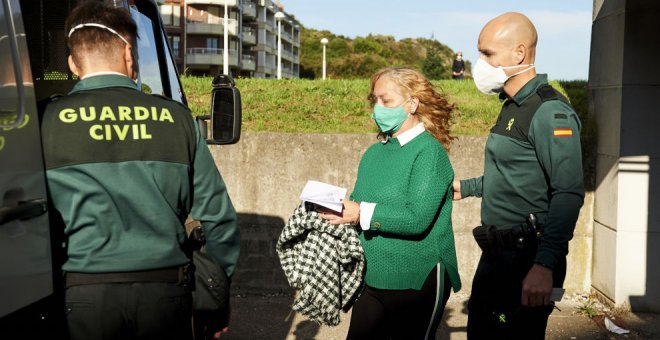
(411, 230)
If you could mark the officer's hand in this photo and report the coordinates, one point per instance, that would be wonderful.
(457, 190)
(218, 334)
(225, 329)
(537, 286)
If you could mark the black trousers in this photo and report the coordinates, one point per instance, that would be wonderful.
(139, 310)
(401, 314)
(494, 309)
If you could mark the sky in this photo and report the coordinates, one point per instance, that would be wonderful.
(563, 26)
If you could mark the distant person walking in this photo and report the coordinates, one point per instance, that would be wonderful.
(531, 188)
(403, 201)
(458, 67)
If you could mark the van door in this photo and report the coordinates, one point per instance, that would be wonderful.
(26, 274)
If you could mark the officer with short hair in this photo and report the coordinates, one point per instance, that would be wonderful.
(125, 169)
(531, 189)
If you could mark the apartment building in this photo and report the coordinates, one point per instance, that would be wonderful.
(196, 32)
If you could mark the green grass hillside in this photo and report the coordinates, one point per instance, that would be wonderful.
(340, 106)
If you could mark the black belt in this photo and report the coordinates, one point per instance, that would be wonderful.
(492, 240)
(171, 275)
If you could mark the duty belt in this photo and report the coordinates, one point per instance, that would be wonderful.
(172, 275)
(492, 239)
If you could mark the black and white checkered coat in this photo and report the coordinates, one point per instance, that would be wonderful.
(323, 262)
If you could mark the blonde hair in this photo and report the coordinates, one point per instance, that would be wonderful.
(434, 110)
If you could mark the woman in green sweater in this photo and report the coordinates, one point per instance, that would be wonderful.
(402, 201)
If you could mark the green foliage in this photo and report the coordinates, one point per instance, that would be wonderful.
(589, 308)
(360, 57)
(341, 106)
(367, 45)
(334, 105)
(433, 67)
(576, 92)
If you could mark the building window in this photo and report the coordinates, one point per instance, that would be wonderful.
(175, 43)
(212, 43)
(171, 14)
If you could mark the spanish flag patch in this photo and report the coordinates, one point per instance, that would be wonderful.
(563, 132)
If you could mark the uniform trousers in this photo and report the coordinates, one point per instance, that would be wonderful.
(136, 310)
(401, 314)
(495, 310)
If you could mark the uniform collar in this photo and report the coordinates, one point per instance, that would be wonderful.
(527, 90)
(103, 81)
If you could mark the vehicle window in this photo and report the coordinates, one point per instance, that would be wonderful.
(8, 88)
(175, 86)
(48, 52)
(46, 42)
(150, 76)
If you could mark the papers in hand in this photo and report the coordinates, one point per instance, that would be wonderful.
(324, 194)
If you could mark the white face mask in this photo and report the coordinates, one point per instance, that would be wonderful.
(489, 79)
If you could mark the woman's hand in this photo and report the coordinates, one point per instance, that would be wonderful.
(350, 213)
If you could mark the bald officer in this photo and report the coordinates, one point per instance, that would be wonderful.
(124, 170)
(531, 188)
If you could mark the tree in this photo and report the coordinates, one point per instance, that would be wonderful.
(433, 67)
(361, 57)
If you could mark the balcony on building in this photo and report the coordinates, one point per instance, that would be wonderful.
(287, 55)
(212, 25)
(267, 22)
(249, 36)
(210, 56)
(267, 68)
(248, 63)
(249, 9)
(287, 69)
(286, 36)
(268, 43)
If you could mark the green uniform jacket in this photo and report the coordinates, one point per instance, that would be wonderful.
(533, 164)
(411, 230)
(124, 170)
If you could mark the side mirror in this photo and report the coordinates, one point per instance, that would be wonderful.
(225, 113)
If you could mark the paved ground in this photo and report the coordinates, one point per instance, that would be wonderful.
(257, 316)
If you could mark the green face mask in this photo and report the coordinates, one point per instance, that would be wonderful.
(389, 119)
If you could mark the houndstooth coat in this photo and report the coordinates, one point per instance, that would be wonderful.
(323, 262)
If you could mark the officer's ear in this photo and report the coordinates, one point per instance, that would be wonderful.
(130, 61)
(73, 67)
(519, 53)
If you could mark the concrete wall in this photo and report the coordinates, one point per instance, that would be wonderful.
(624, 85)
(265, 173)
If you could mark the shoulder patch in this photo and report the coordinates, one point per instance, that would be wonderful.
(563, 132)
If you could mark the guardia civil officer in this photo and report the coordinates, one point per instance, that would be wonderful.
(531, 188)
(124, 170)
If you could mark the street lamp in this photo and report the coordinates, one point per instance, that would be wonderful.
(324, 42)
(279, 16)
(225, 50)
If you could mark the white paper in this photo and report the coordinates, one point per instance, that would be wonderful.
(614, 328)
(324, 194)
